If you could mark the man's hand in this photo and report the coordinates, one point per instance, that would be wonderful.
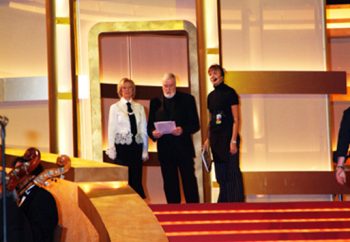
(156, 134)
(177, 131)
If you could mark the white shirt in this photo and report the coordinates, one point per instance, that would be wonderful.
(119, 128)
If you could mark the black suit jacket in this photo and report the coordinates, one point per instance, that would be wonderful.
(18, 227)
(344, 135)
(184, 113)
(41, 211)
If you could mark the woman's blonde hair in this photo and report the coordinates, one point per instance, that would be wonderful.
(121, 84)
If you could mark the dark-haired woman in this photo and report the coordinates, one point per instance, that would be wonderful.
(224, 140)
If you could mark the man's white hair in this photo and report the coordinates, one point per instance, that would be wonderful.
(168, 76)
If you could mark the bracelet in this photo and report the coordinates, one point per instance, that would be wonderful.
(233, 142)
(340, 167)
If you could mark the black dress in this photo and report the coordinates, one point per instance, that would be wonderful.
(344, 135)
(227, 170)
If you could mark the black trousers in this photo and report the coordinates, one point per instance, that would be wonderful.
(170, 171)
(228, 175)
(131, 156)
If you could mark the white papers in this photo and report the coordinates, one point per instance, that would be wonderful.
(206, 159)
(165, 127)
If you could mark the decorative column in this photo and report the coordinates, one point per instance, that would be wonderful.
(61, 77)
(208, 32)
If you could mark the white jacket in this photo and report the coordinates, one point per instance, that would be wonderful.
(119, 130)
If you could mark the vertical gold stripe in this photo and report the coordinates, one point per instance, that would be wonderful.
(74, 75)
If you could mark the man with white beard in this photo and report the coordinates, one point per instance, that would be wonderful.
(175, 147)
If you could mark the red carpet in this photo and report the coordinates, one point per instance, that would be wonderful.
(289, 221)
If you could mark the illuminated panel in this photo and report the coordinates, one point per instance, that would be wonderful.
(63, 58)
(65, 129)
(100, 187)
(63, 76)
(280, 35)
(125, 55)
(338, 20)
(338, 16)
(162, 53)
(114, 58)
(211, 32)
(283, 94)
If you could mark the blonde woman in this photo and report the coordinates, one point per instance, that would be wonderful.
(127, 134)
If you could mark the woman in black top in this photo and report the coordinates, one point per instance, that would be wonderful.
(224, 140)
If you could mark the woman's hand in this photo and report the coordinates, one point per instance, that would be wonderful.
(145, 157)
(340, 175)
(233, 148)
(205, 145)
(111, 153)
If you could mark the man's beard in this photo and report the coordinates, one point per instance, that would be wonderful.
(169, 95)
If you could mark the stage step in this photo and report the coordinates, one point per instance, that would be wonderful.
(283, 221)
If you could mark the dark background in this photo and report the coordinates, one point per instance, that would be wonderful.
(337, 1)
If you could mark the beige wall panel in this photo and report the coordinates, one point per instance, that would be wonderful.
(279, 132)
(28, 124)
